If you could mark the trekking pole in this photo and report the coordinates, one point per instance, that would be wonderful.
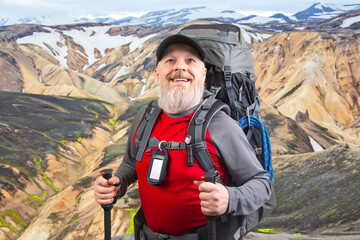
(107, 174)
(211, 220)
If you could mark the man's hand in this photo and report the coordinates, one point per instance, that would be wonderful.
(214, 198)
(104, 190)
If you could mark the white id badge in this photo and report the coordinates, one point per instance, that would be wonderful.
(157, 168)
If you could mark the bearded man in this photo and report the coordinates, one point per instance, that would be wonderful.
(176, 201)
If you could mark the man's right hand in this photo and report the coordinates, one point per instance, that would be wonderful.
(104, 190)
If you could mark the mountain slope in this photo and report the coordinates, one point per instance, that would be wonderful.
(350, 20)
(315, 73)
(44, 142)
(318, 191)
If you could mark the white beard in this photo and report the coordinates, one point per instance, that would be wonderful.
(178, 99)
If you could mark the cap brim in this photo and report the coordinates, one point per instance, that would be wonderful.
(179, 39)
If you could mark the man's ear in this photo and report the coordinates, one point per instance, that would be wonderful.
(156, 74)
(205, 71)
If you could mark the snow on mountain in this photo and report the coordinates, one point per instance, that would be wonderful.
(89, 39)
(249, 34)
(156, 18)
(170, 17)
(287, 19)
(315, 145)
(318, 11)
(96, 39)
(348, 22)
(257, 20)
(277, 18)
(40, 20)
(173, 16)
(95, 19)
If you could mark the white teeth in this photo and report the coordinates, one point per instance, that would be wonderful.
(180, 80)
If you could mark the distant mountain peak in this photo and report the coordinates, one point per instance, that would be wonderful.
(320, 11)
(316, 12)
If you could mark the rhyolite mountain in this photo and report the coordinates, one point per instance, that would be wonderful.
(68, 94)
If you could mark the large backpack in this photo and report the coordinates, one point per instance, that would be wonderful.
(230, 84)
(231, 76)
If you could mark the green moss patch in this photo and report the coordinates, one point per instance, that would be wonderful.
(15, 218)
(132, 212)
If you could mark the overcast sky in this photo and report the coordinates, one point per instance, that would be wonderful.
(121, 8)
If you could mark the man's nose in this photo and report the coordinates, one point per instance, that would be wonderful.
(180, 65)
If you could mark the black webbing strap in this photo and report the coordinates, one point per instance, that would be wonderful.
(144, 121)
(229, 88)
(210, 76)
(155, 143)
(151, 114)
(256, 112)
(199, 119)
(254, 108)
(197, 129)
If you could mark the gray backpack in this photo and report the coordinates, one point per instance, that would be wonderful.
(231, 78)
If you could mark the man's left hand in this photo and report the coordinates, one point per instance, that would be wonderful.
(214, 198)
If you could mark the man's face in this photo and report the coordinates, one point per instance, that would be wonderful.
(181, 75)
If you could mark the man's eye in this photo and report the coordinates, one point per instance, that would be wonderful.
(170, 60)
(191, 60)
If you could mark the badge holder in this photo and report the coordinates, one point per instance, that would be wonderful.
(158, 166)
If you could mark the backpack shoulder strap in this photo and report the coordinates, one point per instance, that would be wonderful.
(145, 128)
(197, 130)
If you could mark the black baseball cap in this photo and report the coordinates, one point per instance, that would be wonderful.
(179, 39)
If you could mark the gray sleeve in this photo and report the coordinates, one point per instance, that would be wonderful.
(252, 185)
(127, 171)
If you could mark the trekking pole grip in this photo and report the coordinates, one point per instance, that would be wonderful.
(107, 174)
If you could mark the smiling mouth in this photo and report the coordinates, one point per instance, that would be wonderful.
(180, 77)
(180, 80)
